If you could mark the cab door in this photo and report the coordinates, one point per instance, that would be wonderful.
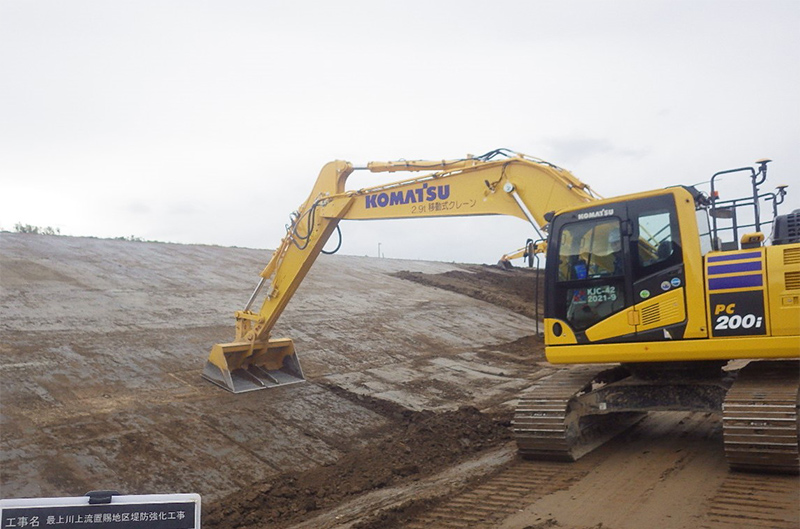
(619, 274)
(591, 282)
(657, 267)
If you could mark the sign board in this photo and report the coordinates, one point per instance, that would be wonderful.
(152, 511)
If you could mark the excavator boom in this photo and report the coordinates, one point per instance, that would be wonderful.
(500, 182)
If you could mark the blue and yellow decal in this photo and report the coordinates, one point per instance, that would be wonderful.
(737, 271)
(735, 286)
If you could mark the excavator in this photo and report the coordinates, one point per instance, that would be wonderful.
(645, 299)
(529, 253)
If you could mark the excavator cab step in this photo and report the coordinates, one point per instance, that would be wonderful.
(241, 366)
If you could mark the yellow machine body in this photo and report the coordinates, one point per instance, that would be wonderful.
(666, 297)
(740, 304)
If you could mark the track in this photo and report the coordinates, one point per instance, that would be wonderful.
(760, 418)
(541, 425)
(548, 425)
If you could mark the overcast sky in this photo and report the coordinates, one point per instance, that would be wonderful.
(208, 121)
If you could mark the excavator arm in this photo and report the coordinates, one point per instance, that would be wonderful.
(498, 183)
(531, 249)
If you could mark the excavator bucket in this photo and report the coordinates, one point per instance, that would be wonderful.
(243, 366)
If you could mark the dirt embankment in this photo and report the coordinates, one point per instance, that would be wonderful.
(519, 290)
(514, 289)
(105, 392)
(412, 446)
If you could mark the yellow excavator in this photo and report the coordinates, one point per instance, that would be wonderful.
(654, 296)
(529, 253)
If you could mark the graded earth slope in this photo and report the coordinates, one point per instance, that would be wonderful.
(103, 341)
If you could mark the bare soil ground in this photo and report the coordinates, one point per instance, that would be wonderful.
(416, 445)
(517, 290)
(413, 369)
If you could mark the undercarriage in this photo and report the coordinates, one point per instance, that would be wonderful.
(573, 411)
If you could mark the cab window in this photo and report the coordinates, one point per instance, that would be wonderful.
(590, 249)
(658, 241)
(591, 274)
(704, 227)
(655, 238)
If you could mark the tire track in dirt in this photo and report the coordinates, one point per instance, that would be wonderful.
(500, 496)
(753, 501)
(668, 472)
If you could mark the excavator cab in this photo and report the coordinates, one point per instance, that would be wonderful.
(652, 268)
(609, 260)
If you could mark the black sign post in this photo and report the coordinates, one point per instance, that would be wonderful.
(153, 511)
